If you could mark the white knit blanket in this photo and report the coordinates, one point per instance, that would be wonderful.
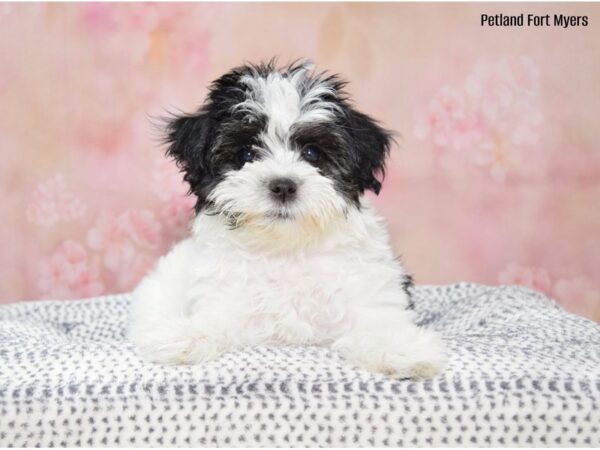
(522, 372)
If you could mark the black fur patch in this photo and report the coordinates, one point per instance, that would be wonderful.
(407, 286)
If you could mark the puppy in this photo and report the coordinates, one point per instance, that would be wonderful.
(284, 247)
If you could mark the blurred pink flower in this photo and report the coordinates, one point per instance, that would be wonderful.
(532, 277)
(108, 237)
(448, 123)
(579, 295)
(498, 87)
(115, 236)
(52, 202)
(498, 158)
(105, 231)
(142, 227)
(69, 274)
(118, 255)
(493, 118)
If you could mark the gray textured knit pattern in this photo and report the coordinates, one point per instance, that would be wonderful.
(522, 372)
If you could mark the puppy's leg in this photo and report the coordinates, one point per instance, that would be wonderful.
(162, 328)
(385, 339)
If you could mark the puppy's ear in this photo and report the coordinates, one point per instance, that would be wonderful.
(371, 146)
(189, 139)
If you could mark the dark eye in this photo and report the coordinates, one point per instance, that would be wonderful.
(247, 155)
(311, 153)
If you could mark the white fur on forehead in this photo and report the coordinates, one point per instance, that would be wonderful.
(288, 98)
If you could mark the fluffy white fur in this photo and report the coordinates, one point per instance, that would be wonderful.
(317, 271)
(223, 289)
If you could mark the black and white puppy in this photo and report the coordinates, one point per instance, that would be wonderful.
(284, 249)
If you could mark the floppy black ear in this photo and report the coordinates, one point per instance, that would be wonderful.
(189, 140)
(371, 145)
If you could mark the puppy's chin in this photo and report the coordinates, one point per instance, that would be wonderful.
(280, 214)
(280, 229)
(273, 222)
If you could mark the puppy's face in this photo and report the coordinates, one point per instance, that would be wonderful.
(278, 146)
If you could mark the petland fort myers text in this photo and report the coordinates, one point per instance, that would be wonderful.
(534, 20)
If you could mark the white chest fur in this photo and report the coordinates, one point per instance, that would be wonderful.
(312, 295)
(221, 289)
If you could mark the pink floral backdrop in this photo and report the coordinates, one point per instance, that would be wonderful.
(496, 178)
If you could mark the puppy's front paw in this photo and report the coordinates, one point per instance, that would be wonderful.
(402, 365)
(176, 346)
(423, 356)
(191, 350)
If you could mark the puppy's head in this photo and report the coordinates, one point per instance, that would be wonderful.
(278, 147)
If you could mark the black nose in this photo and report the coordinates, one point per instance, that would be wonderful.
(283, 189)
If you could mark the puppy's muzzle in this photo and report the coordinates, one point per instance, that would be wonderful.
(283, 189)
